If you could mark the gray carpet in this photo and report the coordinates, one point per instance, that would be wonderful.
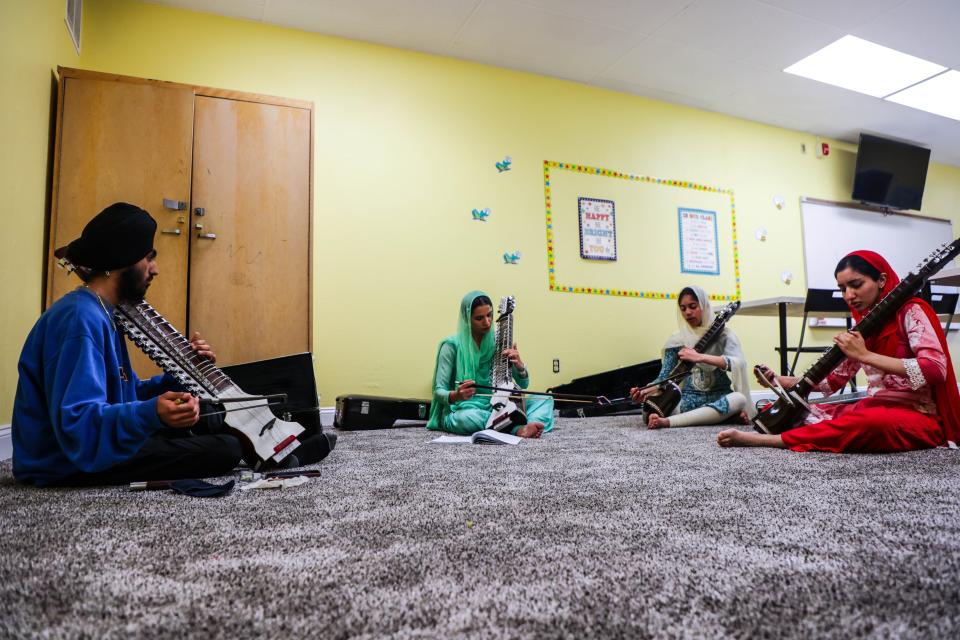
(601, 529)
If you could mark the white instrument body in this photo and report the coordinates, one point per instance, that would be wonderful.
(506, 413)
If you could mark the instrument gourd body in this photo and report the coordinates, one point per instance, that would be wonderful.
(792, 405)
(667, 396)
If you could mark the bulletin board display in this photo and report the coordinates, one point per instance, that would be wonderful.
(649, 262)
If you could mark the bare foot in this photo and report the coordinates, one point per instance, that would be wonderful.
(531, 430)
(656, 422)
(737, 438)
(744, 418)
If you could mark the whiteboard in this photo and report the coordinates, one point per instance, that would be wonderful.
(832, 230)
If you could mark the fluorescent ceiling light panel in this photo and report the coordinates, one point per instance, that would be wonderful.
(939, 95)
(859, 65)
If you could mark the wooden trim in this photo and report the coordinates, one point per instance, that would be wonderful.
(67, 72)
(311, 227)
(872, 209)
(54, 192)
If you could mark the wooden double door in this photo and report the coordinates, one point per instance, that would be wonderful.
(227, 177)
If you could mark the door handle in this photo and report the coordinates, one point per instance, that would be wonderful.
(207, 236)
(176, 205)
(171, 232)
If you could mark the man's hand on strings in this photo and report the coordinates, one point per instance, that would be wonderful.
(200, 346)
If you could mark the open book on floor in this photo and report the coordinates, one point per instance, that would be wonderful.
(487, 436)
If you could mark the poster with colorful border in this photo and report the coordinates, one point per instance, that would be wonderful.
(554, 285)
(598, 229)
(699, 248)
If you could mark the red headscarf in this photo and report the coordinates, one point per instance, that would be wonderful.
(885, 342)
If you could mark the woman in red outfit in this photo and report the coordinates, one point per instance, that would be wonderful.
(912, 400)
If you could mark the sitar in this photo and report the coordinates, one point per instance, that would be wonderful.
(506, 412)
(792, 405)
(260, 432)
(667, 396)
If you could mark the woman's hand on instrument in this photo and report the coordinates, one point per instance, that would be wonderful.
(200, 346)
(465, 391)
(852, 345)
(764, 374)
(513, 355)
(178, 409)
(763, 371)
(690, 355)
(638, 395)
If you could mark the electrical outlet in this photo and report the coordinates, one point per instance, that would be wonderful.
(556, 365)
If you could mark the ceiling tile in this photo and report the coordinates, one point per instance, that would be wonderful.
(246, 9)
(637, 16)
(422, 25)
(844, 15)
(928, 29)
(521, 36)
(679, 68)
(749, 30)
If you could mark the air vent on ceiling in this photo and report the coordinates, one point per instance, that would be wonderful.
(74, 15)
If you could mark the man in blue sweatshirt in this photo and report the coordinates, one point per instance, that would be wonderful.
(80, 415)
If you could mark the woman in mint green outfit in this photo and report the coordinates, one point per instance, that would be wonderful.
(467, 357)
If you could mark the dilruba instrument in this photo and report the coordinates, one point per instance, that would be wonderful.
(792, 405)
(249, 417)
(668, 394)
(506, 412)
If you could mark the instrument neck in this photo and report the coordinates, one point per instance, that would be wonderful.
(870, 324)
(711, 334)
(503, 340)
(175, 346)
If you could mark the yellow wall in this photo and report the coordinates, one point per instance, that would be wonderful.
(405, 145)
(33, 41)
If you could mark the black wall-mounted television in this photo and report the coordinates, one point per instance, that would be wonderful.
(890, 173)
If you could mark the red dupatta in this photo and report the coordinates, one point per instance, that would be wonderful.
(885, 342)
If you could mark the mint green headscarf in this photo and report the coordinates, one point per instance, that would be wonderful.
(469, 356)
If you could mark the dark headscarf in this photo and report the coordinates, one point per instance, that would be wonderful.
(117, 237)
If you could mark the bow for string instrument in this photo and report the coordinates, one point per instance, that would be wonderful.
(506, 413)
(260, 432)
(792, 405)
(668, 394)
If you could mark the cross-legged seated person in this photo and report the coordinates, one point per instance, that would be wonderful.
(466, 359)
(81, 415)
(709, 395)
(912, 400)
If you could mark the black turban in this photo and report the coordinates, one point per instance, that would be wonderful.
(117, 237)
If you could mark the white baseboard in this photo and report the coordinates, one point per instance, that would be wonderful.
(6, 442)
(326, 416)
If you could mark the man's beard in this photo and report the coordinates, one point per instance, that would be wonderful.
(133, 284)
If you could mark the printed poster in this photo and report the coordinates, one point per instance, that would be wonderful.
(699, 250)
(598, 229)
